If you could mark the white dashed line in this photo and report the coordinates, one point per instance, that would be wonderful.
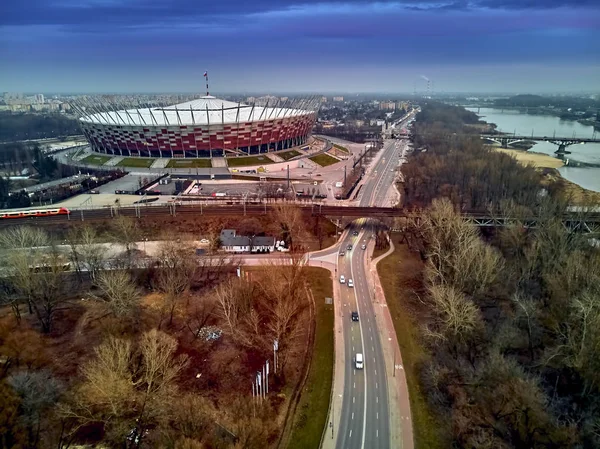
(377, 415)
(354, 384)
(350, 436)
(376, 385)
(377, 433)
(377, 399)
(352, 415)
(353, 400)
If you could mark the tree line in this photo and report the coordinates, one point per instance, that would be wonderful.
(509, 319)
(452, 162)
(26, 126)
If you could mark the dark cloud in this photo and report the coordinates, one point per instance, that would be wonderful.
(132, 13)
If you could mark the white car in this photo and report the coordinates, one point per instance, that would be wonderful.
(350, 283)
(358, 360)
(342, 279)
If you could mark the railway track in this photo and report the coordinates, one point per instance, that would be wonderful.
(154, 211)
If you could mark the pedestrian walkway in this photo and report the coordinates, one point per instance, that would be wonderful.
(219, 162)
(114, 161)
(160, 162)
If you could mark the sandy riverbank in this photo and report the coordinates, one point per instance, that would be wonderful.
(538, 160)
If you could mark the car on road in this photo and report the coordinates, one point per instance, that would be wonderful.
(358, 361)
(342, 279)
(342, 253)
(350, 283)
(355, 233)
(355, 316)
(349, 248)
(363, 247)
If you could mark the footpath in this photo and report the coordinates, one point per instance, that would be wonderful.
(401, 428)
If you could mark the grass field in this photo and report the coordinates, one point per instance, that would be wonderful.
(287, 155)
(248, 160)
(311, 414)
(136, 162)
(324, 159)
(96, 159)
(399, 273)
(189, 163)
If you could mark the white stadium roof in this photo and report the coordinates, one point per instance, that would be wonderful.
(203, 111)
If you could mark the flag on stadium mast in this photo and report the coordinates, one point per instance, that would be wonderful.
(205, 74)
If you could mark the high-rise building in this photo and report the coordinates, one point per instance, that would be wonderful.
(340, 99)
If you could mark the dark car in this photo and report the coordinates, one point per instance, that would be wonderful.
(355, 233)
(349, 248)
(354, 316)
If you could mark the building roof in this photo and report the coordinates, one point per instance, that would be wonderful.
(263, 241)
(203, 111)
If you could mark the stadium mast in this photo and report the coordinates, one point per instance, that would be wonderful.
(206, 77)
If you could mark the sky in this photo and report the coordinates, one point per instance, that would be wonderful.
(304, 46)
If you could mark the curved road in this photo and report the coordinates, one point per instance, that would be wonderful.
(365, 418)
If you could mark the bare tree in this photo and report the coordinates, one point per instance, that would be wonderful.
(125, 388)
(176, 272)
(126, 232)
(289, 223)
(23, 237)
(119, 292)
(39, 392)
(39, 276)
(87, 252)
(456, 317)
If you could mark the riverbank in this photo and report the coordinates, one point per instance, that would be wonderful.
(579, 196)
(538, 160)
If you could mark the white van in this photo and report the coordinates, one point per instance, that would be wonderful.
(342, 279)
(359, 361)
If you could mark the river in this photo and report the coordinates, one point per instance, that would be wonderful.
(510, 121)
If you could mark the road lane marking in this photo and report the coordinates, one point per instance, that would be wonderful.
(377, 415)
(354, 384)
(352, 415)
(377, 399)
(377, 433)
(376, 385)
(350, 434)
(353, 400)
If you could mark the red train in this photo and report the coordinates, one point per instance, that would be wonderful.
(34, 213)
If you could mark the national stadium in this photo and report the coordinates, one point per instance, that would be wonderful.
(205, 127)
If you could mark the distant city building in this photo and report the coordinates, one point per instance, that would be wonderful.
(387, 106)
(338, 99)
(323, 99)
(39, 98)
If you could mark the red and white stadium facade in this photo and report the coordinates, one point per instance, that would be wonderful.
(205, 127)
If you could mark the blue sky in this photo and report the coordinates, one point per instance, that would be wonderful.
(299, 45)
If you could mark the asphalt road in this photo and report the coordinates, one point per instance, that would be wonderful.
(365, 416)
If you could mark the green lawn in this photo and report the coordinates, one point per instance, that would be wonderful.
(189, 163)
(399, 273)
(248, 160)
(323, 159)
(136, 162)
(96, 159)
(311, 414)
(341, 148)
(287, 155)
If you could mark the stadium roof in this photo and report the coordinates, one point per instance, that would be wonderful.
(203, 111)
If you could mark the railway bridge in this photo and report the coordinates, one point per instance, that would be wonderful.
(585, 222)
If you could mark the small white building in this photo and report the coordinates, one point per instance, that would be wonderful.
(233, 243)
